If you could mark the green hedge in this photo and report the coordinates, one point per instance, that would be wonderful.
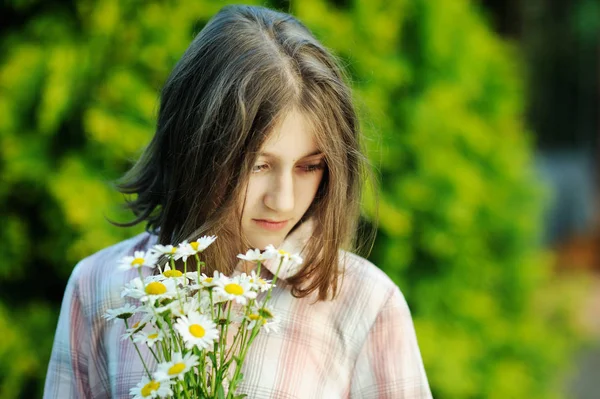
(442, 102)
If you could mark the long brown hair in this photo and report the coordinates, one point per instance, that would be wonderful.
(241, 74)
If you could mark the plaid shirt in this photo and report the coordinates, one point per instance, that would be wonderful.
(362, 344)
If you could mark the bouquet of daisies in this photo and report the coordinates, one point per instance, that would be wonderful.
(185, 319)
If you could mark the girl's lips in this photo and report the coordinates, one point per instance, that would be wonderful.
(273, 226)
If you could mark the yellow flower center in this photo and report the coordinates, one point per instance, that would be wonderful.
(208, 280)
(153, 336)
(173, 250)
(137, 262)
(155, 288)
(136, 325)
(172, 273)
(253, 316)
(195, 245)
(176, 368)
(234, 289)
(282, 252)
(149, 388)
(197, 330)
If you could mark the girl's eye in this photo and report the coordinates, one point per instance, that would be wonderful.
(313, 168)
(258, 168)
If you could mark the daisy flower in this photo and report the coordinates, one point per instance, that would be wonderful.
(151, 289)
(174, 275)
(123, 313)
(271, 326)
(238, 288)
(139, 259)
(135, 327)
(168, 250)
(187, 249)
(261, 284)
(156, 290)
(151, 389)
(149, 338)
(197, 330)
(255, 255)
(204, 281)
(281, 254)
(176, 368)
(267, 323)
(181, 307)
(133, 289)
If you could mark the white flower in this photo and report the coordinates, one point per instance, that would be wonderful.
(174, 275)
(168, 250)
(237, 288)
(151, 389)
(184, 305)
(261, 284)
(176, 368)
(139, 259)
(187, 249)
(133, 289)
(271, 326)
(148, 338)
(197, 330)
(135, 327)
(204, 281)
(266, 318)
(280, 254)
(150, 290)
(156, 290)
(123, 313)
(255, 255)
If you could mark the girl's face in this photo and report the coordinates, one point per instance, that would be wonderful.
(283, 182)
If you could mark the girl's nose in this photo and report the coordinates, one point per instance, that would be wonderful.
(280, 196)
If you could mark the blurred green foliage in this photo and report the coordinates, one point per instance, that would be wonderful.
(442, 102)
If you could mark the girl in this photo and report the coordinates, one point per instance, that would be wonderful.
(257, 142)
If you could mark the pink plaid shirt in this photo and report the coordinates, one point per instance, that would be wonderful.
(360, 345)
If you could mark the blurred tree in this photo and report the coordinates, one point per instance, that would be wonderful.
(79, 82)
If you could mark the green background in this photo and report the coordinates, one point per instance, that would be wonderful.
(442, 100)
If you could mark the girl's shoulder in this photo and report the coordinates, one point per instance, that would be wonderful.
(364, 282)
(97, 278)
(360, 271)
(106, 259)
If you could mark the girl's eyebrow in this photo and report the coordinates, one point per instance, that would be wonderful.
(269, 155)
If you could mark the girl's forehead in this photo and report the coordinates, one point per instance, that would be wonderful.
(293, 137)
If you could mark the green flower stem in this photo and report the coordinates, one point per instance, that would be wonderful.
(202, 367)
(154, 354)
(173, 334)
(185, 392)
(253, 335)
(226, 327)
(138, 352)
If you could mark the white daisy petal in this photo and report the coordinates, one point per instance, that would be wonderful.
(151, 389)
(238, 288)
(255, 255)
(176, 368)
(139, 259)
(123, 313)
(148, 337)
(197, 330)
(187, 249)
